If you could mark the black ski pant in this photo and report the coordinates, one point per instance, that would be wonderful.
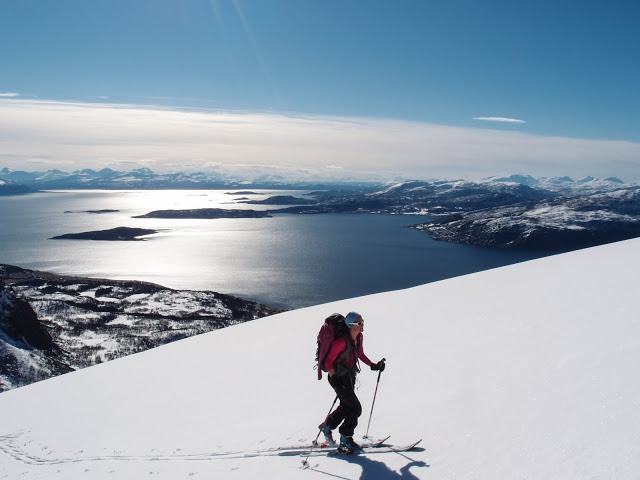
(349, 409)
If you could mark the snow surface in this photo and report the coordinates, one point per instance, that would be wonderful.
(523, 372)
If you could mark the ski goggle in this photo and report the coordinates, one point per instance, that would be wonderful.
(360, 323)
(351, 317)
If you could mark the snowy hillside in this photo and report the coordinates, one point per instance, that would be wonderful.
(558, 224)
(527, 371)
(76, 322)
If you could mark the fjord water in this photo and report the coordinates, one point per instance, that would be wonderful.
(287, 261)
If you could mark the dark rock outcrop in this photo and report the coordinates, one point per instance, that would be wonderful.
(28, 353)
(20, 323)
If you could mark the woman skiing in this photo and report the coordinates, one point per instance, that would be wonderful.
(342, 365)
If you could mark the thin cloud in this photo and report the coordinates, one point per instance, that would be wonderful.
(499, 119)
(41, 135)
(9, 94)
(254, 44)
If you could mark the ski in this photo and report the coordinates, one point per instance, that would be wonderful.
(300, 449)
(370, 443)
(378, 449)
(366, 450)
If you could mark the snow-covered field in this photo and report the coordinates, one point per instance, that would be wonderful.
(527, 371)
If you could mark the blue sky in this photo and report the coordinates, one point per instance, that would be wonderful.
(565, 73)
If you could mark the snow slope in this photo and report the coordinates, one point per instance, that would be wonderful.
(526, 371)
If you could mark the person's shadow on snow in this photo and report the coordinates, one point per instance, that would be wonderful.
(374, 470)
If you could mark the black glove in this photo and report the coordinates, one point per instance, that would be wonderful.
(378, 366)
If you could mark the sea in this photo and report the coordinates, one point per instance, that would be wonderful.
(287, 261)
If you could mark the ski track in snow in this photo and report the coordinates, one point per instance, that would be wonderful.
(9, 445)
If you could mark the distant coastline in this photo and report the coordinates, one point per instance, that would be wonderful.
(517, 211)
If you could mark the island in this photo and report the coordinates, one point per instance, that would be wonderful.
(244, 192)
(282, 200)
(207, 213)
(114, 234)
(104, 210)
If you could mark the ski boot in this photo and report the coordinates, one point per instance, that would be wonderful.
(347, 445)
(328, 435)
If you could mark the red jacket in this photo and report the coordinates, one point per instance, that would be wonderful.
(340, 345)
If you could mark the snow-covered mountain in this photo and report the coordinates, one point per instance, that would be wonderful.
(108, 178)
(142, 178)
(459, 196)
(564, 185)
(562, 223)
(13, 188)
(139, 178)
(526, 371)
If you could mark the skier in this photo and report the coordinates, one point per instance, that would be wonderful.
(342, 365)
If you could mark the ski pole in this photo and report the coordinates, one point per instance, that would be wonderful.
(305, 462)
(374, 401)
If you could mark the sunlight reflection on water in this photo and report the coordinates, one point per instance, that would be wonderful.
(288, 261)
